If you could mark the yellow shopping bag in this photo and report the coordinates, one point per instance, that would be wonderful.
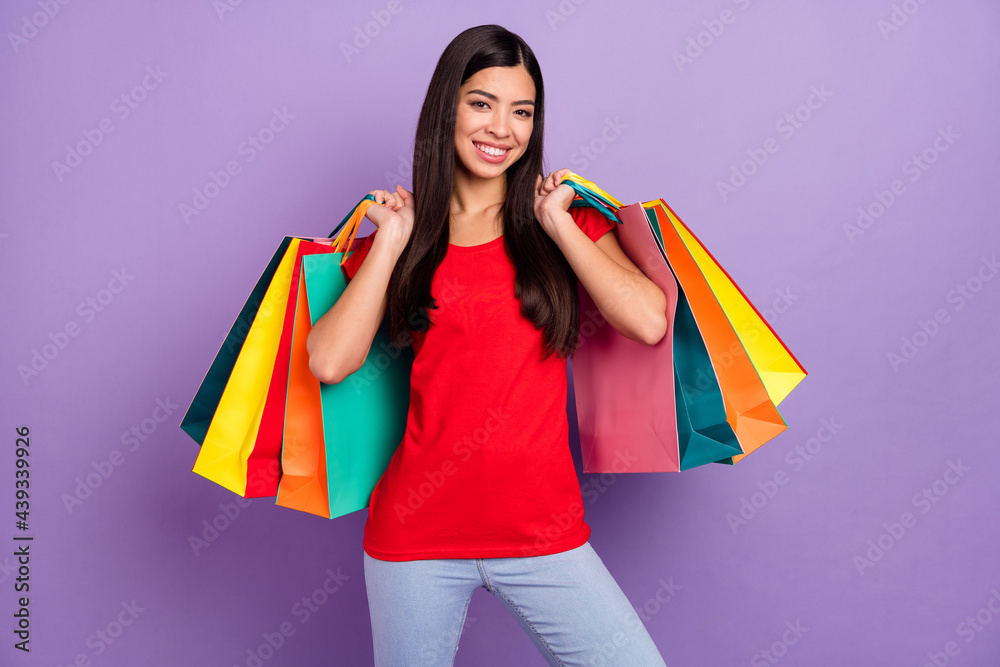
(233, 429)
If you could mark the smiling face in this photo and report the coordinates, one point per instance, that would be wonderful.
(494, 120)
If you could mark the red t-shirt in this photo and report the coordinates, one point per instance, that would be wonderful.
(484, 469)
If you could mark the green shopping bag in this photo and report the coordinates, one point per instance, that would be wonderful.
(704, 435)
(364, 417)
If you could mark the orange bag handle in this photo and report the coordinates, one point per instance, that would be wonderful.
(348, 227)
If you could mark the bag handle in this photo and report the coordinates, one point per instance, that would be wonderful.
(587, 194)
(348, 227)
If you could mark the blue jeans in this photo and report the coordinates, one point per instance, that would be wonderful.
(568, 603)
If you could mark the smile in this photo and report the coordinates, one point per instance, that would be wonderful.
(490, 150)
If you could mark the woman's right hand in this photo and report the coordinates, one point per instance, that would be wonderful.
(393, 214)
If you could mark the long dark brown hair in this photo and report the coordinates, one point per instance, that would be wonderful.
(545, 283)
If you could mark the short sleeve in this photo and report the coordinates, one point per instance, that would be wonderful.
(354, 260)
(590, 220)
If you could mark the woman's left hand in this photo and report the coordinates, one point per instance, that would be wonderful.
(551, 198)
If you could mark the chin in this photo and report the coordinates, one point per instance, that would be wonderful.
(486, 171)
(487, 174)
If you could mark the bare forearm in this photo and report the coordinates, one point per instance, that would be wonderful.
(340, 340)
(629, 301)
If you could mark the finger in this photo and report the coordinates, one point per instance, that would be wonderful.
(406, 195)
(376, 214)
(543, 185)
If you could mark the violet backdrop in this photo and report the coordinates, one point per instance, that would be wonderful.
(894, 315)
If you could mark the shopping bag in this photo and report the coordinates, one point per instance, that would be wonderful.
(729, 367)
(704, 434)
(624, 390)
(634, 397)
(244, 389)
(303, 460)
(264, 460)
(778, 368)
(234, 426)
(199, 414)
(364, 416)
(749, 409)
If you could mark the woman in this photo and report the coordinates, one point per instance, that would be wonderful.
(478, 271)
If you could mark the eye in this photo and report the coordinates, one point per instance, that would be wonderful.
(477, 102)
(524, 112)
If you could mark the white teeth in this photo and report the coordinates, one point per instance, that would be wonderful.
(489, 150)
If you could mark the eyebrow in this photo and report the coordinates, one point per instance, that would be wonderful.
(491, 96)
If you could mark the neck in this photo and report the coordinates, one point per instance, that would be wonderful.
(472, 196)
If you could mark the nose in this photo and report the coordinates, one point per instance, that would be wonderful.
(499, 124)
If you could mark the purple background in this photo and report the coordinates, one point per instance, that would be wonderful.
(842, 305)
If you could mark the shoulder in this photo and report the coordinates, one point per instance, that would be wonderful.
(591, 221)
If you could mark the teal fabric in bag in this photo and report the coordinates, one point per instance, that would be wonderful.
(364, 417)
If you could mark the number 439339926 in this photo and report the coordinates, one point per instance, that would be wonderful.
(22, 476)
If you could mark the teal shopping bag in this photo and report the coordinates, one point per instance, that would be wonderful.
(364, 417)
(703, 434)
